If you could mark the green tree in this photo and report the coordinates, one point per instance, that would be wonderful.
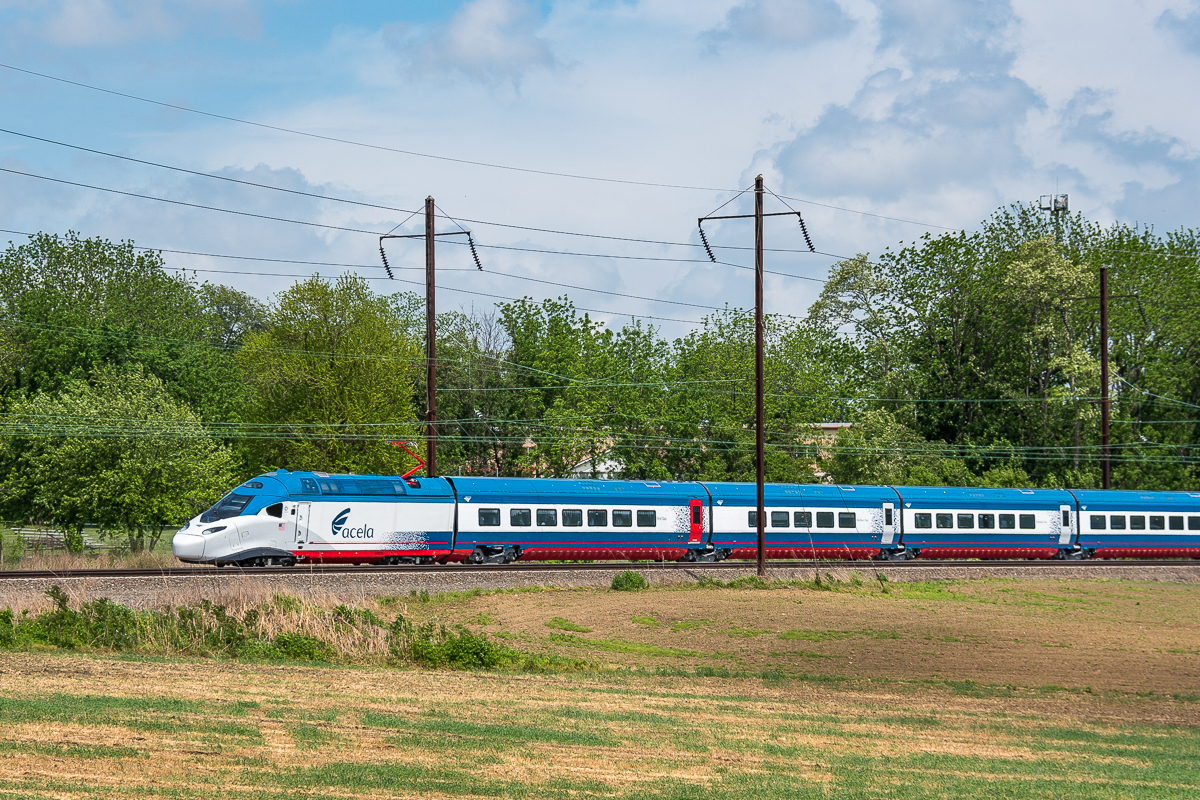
(70, 305)
(329, 381)
(119, 453)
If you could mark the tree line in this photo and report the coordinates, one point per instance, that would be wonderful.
(134, 395)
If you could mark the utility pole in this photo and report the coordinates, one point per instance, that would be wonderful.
(430, 347)
(759, 420)
(430, 324)
(759, 411)
(1105, 465)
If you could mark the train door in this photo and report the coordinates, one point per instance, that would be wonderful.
(889, 523)
(303, 510)
(696, 531)
(1067, 534)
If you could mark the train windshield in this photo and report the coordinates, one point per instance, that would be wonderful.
(228, 506)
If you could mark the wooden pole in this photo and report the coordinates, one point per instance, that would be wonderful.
(1105, 464)
(430, 347)
(759, 420)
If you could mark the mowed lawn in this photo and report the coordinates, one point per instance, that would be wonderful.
(694, 693)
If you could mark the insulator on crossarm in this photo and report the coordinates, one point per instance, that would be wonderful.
(386, 265)
(471, 242)
(707, 249)
(804, 230)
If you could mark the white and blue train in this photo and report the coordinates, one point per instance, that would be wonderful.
(287, 517)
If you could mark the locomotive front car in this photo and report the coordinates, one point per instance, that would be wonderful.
(1139, 524)
(805, 520)
(989, 523)
(283, 516)
(544, 519)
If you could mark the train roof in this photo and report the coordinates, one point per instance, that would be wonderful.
(306, 485)
(964, 497)
(1101, 500)
(566, 490)
(741, 494)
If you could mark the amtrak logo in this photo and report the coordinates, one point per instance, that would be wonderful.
(339, 528)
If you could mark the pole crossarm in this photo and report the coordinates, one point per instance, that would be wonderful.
(422, 236)
(753, 216)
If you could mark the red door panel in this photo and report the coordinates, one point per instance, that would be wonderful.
(697, 528)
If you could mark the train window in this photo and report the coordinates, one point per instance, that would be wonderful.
(489, 517)
(752, 519)
(1066, 519)
(547, 517)
(779, 519)
(803, 519)
(824, 519)
(1117, 522)
(887, 516)
(276, 510)
(966, 520)
(1097, 522)
(923, 520)
(519, 517)
(1137, 522)
(646, 518)
(987, 520)
(697, 515)
(572, 517)
(330, 487)
(1028, 522)
(1194, 523)
(231, 505)
(1156, 523)
(945, 520)
(1007, 521)
(847, 519)
(1176, 523)
(309, 486)
(622, 518)
(597, 518)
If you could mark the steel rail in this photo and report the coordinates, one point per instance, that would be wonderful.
(658, 566)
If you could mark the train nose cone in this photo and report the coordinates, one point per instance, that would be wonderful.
(188, 546)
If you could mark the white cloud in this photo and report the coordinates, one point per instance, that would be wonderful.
(785, 23)
(1184, 27)
(485, 39)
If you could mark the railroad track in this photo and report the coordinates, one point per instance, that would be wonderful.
(670, 566)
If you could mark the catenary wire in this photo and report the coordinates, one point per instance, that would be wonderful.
(339, 140)
(378, 206)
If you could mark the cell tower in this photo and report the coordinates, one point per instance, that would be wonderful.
(1054, 204)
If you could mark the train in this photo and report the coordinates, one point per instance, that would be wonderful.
(284, 518)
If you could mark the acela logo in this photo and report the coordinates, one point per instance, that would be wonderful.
(339, 528)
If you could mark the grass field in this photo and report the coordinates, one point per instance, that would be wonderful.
(996, 689)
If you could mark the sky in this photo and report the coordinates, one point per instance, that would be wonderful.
(879, 121)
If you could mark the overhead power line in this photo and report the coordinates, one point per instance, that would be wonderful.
(376, 267)
(189, 205)
(363, 204)
(417, 154)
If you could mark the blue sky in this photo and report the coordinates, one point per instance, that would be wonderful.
(926, 110)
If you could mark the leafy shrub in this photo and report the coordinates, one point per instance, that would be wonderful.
(629, 581)
(438, 646)
(302, 647)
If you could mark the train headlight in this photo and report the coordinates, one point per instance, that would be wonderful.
(217, 529)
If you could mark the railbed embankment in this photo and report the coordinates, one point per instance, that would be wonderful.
(367, 583)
